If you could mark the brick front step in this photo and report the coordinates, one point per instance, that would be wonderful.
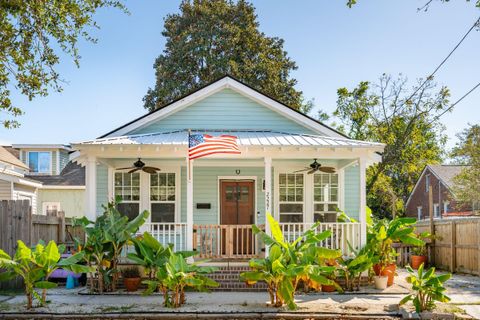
(228, 279)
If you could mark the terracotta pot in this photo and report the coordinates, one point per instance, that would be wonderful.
(132, 284)
(389, 271)
(416, 261)
(328, 288)
(380, 282)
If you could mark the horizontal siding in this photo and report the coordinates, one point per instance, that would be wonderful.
(72, 202)
(54, 163)
(24, 192)
(352, 191)
(5, 190)
(63, 160)
(226, 109)
(102, 187)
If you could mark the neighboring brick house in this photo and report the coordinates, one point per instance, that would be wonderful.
(440, 177)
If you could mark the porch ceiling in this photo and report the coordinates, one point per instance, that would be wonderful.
(261, 138)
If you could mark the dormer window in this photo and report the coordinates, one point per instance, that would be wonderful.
(40, 161)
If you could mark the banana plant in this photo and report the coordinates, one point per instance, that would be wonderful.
(149, 253)
(175, 275)
(386, 232)
(36, 265)
(107, 236)
(427, 287)
(290, 262)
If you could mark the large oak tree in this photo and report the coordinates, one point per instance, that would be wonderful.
(211, 38)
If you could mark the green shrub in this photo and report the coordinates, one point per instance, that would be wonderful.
(427, 287)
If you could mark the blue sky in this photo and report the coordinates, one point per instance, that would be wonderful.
(333, 46)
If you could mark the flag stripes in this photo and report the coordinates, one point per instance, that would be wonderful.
(201, 145)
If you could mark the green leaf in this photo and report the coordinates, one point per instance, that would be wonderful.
(45, 285)
(8, 275)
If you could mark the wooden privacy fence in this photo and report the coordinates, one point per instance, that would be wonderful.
(18, 223)
(456, 246)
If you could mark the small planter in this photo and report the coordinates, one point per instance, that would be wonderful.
(132, 284)
(328, 288)
(416, 261)
(387, 271)
(380, 282)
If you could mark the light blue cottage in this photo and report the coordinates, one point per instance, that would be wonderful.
(212, 212)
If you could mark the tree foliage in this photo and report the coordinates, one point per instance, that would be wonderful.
(467, 152)
(33, 33)
(211, 38)
(406, 120)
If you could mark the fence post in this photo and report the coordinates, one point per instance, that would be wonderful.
(61, 226)
(432, 224)
(453, 247)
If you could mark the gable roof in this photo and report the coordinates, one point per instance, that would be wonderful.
(72, 175)
(8, 157)
(224, 82)
(443, 172)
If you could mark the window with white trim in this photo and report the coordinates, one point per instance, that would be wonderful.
(445, 206)
(427, 182)
(162, 197)
(291, 187)
(436, 210)
(40, 161)
(127, 188)
(325, 194)
(419, 213)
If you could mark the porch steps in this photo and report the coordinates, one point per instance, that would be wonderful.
(228, 278)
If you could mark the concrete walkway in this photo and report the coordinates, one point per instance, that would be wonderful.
(464, 291)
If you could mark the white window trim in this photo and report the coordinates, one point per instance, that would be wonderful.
(140, 209)
(436, 213)
(427, 182)
(177, 215)
(289, 170)
(47, 203)
(445, 206)
(49, 172)
(326, 203)
(419, 212)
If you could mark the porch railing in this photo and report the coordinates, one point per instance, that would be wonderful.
(239, 241)
(169, 233)
(225, 241)
(342, 234)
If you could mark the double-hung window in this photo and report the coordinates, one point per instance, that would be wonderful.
(325, 194)
(291, 198)
(40, 162)
(162, 197)
(127, 188)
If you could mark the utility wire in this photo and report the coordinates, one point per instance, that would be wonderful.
(456, 102)
(476, 24)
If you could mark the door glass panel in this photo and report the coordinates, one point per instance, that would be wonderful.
(229, 193)
(243, 194)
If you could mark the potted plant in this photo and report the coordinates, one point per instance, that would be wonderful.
(380, 280)
(131, 278)
(380, 239)
(419, 253)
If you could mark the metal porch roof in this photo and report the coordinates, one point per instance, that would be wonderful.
(263, 138)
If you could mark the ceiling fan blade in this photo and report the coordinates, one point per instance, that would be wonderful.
(151, 170)
(327, 169)
(154, 168)
(302, 170)
(134, 170)
(125, 168)
(312, 171)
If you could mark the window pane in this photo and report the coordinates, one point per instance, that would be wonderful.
(171, 194)
(282, 179)
(130, 210)
(162, 179)
(291, 179)
(127, 179)
(291, 208)
(334, 194)
(283, 194)
(118, 179)
(299, 180)
(154, 180)
(319, 207)
(43, 161)
(118, 191)
(292, 218)
(171, 179)
(332, 207)
(33, 161)
(163, 212)
(136, 193)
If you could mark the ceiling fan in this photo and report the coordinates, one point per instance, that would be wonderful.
(140, 165)
(315, 166)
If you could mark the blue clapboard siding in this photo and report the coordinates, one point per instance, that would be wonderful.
(63, 160)
(352, 191)
(226, 109)
(102, 187)
(205, 190)
(54, 163)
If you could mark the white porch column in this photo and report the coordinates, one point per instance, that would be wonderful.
(268, 194)
(91, 188)
(189, 236)
(363, 202)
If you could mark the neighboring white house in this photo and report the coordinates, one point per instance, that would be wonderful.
(13, 183)
(212, 212)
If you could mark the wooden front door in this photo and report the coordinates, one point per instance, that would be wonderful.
(237, 213)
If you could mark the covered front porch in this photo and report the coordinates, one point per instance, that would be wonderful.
(210, 204)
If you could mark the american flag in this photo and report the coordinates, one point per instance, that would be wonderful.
(201, 145)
